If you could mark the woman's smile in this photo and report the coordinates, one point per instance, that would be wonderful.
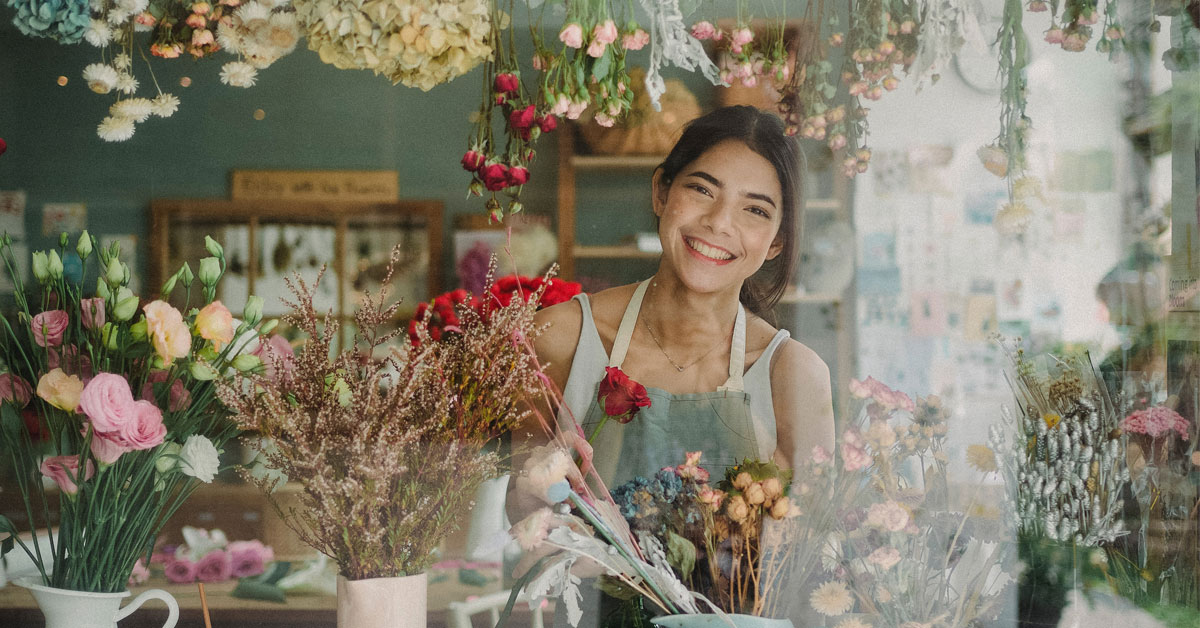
(708, 252)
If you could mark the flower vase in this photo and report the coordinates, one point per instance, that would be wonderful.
(64, 608)
(382, 602)
(488, 522)
(713, 620)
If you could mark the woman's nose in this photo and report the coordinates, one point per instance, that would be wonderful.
(719, 217)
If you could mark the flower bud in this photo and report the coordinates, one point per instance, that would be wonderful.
(213, 247)
(109, 334)
(84, 246)
(63, 239)
(252, 313)
(126, 305)
(203, 371)
(102, 289)
(139, 330)
(169, 286)
(268, 326)
(210, 271)
(41, 266)
(246, 362)
(168, 459)
(114, 274)
(54, 265)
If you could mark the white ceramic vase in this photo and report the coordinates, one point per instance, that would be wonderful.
(64, 608)
(712, 620)
(487, 532)
(382, 602)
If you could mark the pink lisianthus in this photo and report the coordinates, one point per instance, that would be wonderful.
(179, 398)
(179, 570)
(635, 40)
(277, 356)
(1157, 421)
(215, 323)
(146, 429)
(704, 30)
(91, 312)
(49, 327)
(15, 389)
(107, 402)
(140, 573)
(107, 448)
(71, 361)
(64, 470)
(60, 390)
(248, 558)
(215, 566)
(571, 35)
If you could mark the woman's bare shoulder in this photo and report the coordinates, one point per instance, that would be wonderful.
(794, 360)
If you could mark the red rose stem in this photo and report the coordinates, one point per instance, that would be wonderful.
(204, 605)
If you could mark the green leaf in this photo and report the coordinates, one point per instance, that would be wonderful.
(614, 588)
(603, 64)
(681, 554)
(472, 577)
(250, 589)
(10, 420)
(6, 525)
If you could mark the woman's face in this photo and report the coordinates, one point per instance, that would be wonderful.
(719, 219)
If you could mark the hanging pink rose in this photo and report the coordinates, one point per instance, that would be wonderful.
(49, 327)
(596, 48)
(15, 389)
(571, 35)
(704, 30)
(92, 312)
(605, 32)
(146, 429)
(107, 402)
(64, 470)
(635, 40)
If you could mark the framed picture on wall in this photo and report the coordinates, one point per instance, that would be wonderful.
(268, 241)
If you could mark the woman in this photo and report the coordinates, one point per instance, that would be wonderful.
(721, 380)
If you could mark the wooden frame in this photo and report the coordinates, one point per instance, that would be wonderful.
(169, 214)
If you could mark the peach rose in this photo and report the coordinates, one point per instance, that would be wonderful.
(215, 323)
(168, 333)
(737, 508)
(60, 390)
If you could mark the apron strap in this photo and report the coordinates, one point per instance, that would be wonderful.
(737, 349)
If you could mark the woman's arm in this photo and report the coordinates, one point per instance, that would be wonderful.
(803, 401)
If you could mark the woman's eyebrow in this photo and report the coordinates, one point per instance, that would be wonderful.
(717, 182)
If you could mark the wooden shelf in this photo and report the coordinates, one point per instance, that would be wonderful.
(623, 251)
(792, 296)
(822, 204)
(616, 162)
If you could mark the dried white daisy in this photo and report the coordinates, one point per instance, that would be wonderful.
(238, 74)
(118, 16)
(126, 84)
(251, 11)
(165, 105)
(228, 38)
(1012, 219)
(136, 109)
(98, 33)
(122, 62)
(114, 129)
(101, 78)
(133, 7)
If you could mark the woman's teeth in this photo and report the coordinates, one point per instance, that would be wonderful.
(708, 251)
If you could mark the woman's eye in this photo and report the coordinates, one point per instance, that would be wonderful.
(760, 212)
(699, 188)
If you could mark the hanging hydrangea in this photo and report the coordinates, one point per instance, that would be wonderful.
(65, 21)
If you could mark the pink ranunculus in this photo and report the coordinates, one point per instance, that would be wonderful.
(92, 312)
(704, 30)
(571, 35)
(605, 32)
(64, 470)
(635, 40)
(214, 567)
(15, 389)
(248, 558)
(179, 399)
(49, 327)
(71, 361)
(108, 447)
(215, 323)
(107, 402)
(277, 356)
(179, 570)
(146, 430)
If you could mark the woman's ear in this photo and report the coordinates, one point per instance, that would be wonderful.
(659, 190)
(776, 247)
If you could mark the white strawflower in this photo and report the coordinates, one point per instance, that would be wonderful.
(133, 6)
(165, 105)
(136, 109)
(199, 458)
(122, 62)
(101, 78)
(228, 38)
(238, 74)
(96, 5)
(273, 4)
(118, 16)
(831, 598)
(114, 129)
(252, 11)
(98, 33)
(126, 84)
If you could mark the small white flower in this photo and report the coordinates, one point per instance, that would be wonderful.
(132, 6)
(96, 5)
(126, 84)
(165, 105)
(101, 78)
(136, 109)
(98, 33)
(238, 74)
(252, 11)
(229, 39)
(199, 458)
(118, 16)
(113, 129)
(273, 4)
(122, 62)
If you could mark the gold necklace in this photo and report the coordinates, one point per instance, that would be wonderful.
(646, 322)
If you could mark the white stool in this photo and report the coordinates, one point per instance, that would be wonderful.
(493, 603)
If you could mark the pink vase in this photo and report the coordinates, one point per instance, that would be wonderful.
(64, 608)
(382, 602)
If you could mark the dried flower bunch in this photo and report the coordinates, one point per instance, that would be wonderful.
(389, 448)
(113, 401)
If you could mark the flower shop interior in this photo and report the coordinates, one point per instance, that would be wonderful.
(230, 224)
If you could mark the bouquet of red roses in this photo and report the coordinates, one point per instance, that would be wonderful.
(444, 314)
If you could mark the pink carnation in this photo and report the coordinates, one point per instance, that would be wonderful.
(49, 327)
(214, 567)
(1156, 422)
(877, 391)
(854, 452)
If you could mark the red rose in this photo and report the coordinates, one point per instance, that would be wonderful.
(548, 123)
(503, 290)
(522, 119)
(507, 83)
(473, 160)
(621, 396)
(495, 177)
(3, 146)
(518, 175)
(559, 291)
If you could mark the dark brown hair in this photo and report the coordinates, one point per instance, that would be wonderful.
(762, 133)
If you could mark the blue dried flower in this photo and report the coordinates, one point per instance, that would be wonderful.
(62, 20)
